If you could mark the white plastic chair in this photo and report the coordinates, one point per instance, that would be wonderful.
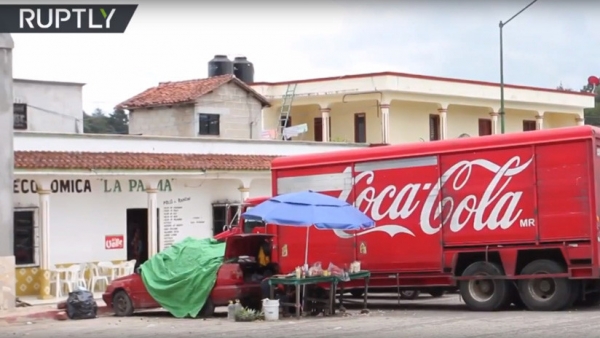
(55, 280)
(108, 269)
(81, 275)
(129, 267)
(97, 277)
(71, 280)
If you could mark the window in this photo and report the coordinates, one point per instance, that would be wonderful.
(285, 124)
(25, 241)
(224, 214)
(250, 225)
(20, 116)
(360, 128)
(318, 125)
(485, 127)
(434, 127)
(209, 124)
(529, 125)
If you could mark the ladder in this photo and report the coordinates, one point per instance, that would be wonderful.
(286, 108)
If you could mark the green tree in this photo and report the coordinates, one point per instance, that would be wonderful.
(99, 123)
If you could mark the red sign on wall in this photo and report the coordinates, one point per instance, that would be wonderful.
(112, 242)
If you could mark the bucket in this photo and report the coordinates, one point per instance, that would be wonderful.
(271, 309)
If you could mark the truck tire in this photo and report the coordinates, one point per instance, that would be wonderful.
(545, 294)
(208, 310)
(409, 294)
(122, 304)
(485, 294)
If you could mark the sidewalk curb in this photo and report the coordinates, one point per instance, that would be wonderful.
(48, 314)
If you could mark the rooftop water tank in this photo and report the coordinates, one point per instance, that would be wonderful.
(243, 69)
(220, 65)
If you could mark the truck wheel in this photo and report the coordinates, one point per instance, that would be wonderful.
(545, 294)
(437, 293)
(356, 293)
(485, 294)
(409, 294)
(208, 310)
(122, 304)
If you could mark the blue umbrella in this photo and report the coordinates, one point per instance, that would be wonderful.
(307, 208)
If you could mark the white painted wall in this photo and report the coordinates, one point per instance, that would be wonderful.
(79, 221)
(51, 106)
(27, 141)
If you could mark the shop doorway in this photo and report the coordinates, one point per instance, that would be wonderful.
(137, 235)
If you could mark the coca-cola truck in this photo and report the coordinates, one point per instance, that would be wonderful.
(507, 219)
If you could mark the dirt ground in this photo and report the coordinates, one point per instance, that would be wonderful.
(426, 317)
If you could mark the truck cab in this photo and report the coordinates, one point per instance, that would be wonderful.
(244, 226)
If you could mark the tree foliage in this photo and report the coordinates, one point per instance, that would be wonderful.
(116, 122)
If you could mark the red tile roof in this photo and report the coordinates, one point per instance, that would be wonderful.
(138, 161)
(181, 92)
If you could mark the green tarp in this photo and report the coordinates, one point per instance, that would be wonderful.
(181, 277)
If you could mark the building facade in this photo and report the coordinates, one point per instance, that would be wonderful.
(402, 108)
(76, 195)
(48, 106)
(217, 107)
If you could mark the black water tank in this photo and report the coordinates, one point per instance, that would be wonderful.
(220, 65)
(243, 69)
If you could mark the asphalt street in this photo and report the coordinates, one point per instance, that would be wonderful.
(426, 317)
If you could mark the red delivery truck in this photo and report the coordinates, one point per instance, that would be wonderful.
(507, 219)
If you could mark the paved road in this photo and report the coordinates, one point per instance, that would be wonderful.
(423, 318)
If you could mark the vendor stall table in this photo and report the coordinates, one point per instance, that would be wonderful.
(333, 282)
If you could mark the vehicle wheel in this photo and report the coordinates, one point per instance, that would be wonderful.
(208, 310)
(545, 294)
(409, 294)
(437, 293)
(485, 294)
(122, 304)
(357, 293)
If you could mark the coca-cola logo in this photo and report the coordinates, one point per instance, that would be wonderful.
(114, 242)
(495, 206)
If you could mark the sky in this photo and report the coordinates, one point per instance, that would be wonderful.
(552, 42)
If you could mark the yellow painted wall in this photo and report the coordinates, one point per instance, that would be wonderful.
(409, 120)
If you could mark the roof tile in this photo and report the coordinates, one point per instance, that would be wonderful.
(170, 93)
(138, 161)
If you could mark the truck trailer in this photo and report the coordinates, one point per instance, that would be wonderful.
(506, 219)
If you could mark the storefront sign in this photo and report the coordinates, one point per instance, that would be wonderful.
(112, 242)
(133, 185)
(77, 186)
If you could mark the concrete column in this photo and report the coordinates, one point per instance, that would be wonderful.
(495, 128)
(443, 113)
(580, 121)
(539, 121)
(44, 226)
(7, 258)
(245, 193)
(325, 118)
(385, 123)
(152, 221)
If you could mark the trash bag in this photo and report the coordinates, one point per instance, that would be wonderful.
(81, 305)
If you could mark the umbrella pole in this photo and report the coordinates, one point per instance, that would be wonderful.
(306, 247)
